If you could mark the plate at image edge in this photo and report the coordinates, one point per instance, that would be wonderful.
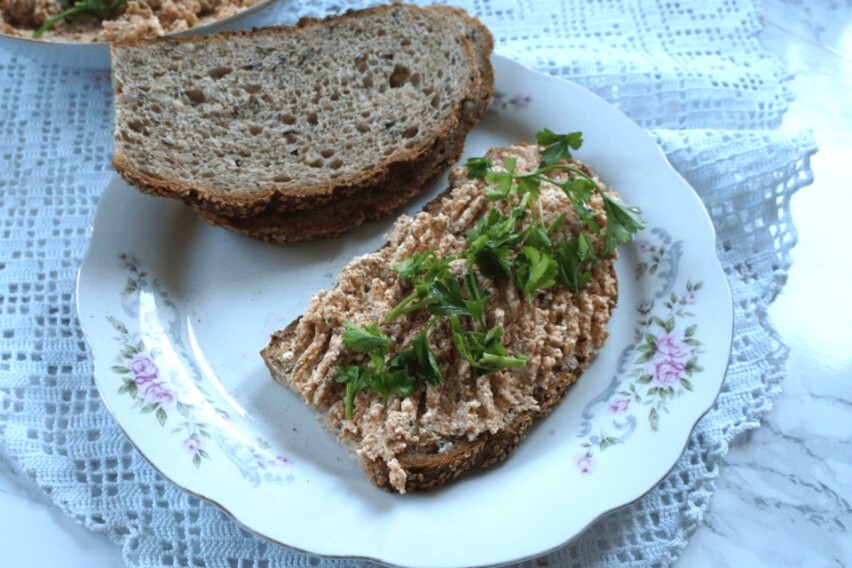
(176, 313)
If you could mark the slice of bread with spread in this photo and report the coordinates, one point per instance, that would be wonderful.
(470, 420)
(287, 119)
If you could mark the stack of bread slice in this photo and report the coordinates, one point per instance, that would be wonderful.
(296, 133)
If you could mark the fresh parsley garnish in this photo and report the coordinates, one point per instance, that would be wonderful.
(367, 339)
(574, 259)
(534, 270)
(557, 147)
(101, 8)
(419, 361)
(516, 246)
(376, 374)
(478, 167)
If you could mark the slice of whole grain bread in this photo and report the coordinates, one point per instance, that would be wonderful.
(423, 441)
(292, 118)
(369, 204)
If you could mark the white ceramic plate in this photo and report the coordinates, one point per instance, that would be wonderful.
(176, 312)
(95, 55)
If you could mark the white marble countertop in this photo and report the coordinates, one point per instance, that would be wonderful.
(784, 496)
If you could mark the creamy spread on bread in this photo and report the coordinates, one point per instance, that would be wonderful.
(555, 330)
(135, 19)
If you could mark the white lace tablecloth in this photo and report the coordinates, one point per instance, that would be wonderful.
(691, 72)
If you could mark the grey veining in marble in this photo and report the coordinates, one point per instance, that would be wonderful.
(784, 496)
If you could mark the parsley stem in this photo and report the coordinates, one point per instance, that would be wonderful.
(350, 400)
(400, 308)
(432, 321)
(76, 9)
(99, 7)
(560, 167)
(497, 360)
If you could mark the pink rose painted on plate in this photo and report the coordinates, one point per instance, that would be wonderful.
(689, 298)
(666, 372)
(156, 392)
(143, 368)
(618, 406)
(672, 347)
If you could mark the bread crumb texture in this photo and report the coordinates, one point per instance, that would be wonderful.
(558, 331)
(291, 118)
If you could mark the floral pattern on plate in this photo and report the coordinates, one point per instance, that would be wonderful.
(657, 369)
(502, 101)
(161, 378)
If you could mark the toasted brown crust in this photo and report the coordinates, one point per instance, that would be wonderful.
(297, 197)
(337, 217)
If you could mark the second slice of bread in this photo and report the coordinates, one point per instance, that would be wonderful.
(292, 118)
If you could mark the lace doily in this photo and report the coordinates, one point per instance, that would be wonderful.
(693, 73)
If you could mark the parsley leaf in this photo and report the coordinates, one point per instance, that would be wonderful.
(423, 267)
(477, 168)
(534, 270)
(484, 351)
(451, 302)
(579, 192)
(397, 382)
(538, 238)
(574, 258)
(556, 146)
(491, 242)
(621, 222)
(418, 360)
(503, 182)
(367, 339)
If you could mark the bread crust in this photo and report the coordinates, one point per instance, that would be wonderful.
(425, 471)
(291, 198)
(335, 218)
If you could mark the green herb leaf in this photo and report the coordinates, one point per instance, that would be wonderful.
(537, 238)
(478, 168)
(579, 192)
(530, 186)
(367, 339)
(419, 361)
(575, 258)
(534, 270)
(413, 265)
(398, 382)
(450, 301)
(502, 181)
(622, 221)
(557, 146)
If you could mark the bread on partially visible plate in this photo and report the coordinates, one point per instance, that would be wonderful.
(470, 420)
(245, 125)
